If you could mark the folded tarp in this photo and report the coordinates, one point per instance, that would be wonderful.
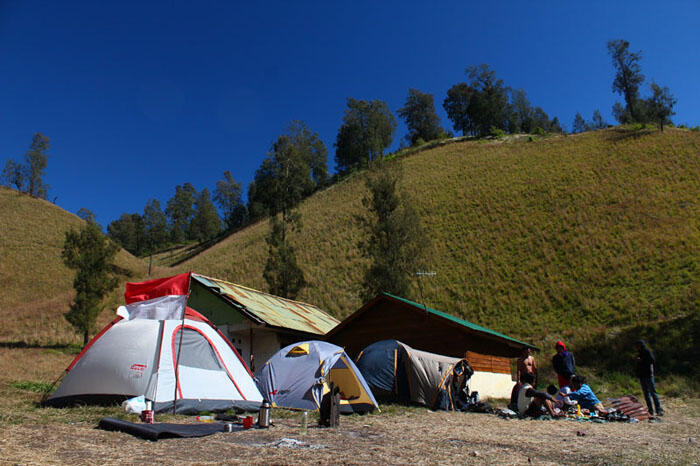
(163, 430)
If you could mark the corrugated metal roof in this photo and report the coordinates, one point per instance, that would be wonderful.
(463, 322)
(273, 310)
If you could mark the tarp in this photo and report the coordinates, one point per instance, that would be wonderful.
(299, 375)
(161, 430)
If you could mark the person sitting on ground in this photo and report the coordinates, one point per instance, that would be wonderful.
(561, 397)
(564, 364)
(526, 363)
(584, 396)
(533, 402)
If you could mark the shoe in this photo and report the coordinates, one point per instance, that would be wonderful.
(660, 413)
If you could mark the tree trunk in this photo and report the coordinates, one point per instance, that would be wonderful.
(86, 337)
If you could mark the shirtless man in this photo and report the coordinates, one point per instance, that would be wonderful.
(527, 365)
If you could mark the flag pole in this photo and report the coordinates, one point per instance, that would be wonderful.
(179, 346)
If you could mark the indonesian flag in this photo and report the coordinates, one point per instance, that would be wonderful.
(160, 299)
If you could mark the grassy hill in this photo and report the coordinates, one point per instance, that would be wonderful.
(594, 238)
(37, 287)
(538, 239)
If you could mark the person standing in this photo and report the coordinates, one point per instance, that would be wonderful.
(564, 364)
(527, 365)
(645, 372)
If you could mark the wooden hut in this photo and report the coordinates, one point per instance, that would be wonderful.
(391, 317)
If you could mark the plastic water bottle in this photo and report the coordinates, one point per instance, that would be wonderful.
(304, 422)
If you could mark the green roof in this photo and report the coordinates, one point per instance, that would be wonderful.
(457, 320)
(273, 310)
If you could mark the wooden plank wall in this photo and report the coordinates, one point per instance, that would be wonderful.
(488, 363)
(390, 320)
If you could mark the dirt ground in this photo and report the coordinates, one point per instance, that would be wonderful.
(33, 435)
(412, 436)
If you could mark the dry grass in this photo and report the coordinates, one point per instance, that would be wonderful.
(399, 435)
(592, 230)
(37, 287)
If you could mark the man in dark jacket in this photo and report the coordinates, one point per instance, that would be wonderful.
(564, 364)
(645, 372)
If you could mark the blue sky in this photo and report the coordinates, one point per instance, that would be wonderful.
(138, 97)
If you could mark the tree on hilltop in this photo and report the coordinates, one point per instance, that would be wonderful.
(294, 168)
(156, 226)
(87, 215)
(456, 104)
(628, 79)
(598, 121)
(36, 161)
(660, 105)
(419, 114)
(28, 177)
(367, 130)
(579, 125)
(180, 211)
(90, 254)
(480, 105)
(13, 174)
(129, 231)
(228, 195)
(206, 224)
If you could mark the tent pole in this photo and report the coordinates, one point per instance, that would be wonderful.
(179, 347)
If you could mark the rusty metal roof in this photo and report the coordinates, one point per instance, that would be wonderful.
(272, 310)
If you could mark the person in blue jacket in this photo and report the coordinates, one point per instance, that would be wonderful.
(584, 396)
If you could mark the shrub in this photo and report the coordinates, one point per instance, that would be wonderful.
(497, 132)
(539, 131)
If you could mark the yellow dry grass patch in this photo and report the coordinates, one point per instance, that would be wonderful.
(528, 238)
(37, 287)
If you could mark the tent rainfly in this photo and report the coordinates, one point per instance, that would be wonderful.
(299, 375)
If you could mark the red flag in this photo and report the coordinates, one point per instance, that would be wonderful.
(159, 299)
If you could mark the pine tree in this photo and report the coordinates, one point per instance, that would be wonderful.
(206, 223)
(394, 240)
(90, 254)
(180, 210)
(283, 275)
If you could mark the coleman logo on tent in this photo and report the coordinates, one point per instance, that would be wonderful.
(137, 370)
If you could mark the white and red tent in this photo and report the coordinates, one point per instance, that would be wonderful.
(158, 348)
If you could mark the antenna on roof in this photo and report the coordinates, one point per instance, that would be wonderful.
(420, 288)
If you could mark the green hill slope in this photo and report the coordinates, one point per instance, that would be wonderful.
(529, 238)
(37, 287)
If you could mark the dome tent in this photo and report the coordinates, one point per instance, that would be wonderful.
(398, 373)
(145, 351)
(299, 375)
